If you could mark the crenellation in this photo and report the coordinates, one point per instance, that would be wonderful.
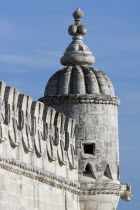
(11, 114)
(59, 128)
(35, 131)
(60, 140)
(38, 128)
(3, 127)
(70, 137)
(51, 147)
(24, 105)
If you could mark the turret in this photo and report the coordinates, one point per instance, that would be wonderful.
(86, 94)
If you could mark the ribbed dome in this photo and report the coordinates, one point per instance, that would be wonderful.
(79, 80)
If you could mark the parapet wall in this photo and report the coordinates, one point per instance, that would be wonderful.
(38, 167)
(36, 135)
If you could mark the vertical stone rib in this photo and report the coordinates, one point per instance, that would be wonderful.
(102, 82)
(110, 86)
(78, 81)
(64, 81)
(90, 81)
(53, 84)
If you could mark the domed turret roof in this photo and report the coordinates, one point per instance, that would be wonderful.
(79, 80)
(78, 77)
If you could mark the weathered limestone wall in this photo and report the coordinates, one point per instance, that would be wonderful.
(35, 135)
(96, 123)
(38, 167)
(18, 192)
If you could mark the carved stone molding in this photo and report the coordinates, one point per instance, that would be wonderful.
(72, 99)
(46, 177)
(14, 166)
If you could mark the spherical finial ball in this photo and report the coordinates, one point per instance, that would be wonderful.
(72, 29)
(78, 14)
(82, 29)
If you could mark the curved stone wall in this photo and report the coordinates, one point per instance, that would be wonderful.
(96, 126)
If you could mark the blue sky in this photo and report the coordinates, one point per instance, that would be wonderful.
(33, 36)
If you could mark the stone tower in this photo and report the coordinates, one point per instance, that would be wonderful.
(86, 94)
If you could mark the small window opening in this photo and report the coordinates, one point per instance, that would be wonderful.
(107, 172)
(88, 172)
(89, 149)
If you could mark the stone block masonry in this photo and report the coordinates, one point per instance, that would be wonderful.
(19, 192)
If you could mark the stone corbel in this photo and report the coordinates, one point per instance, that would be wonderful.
(126, 196)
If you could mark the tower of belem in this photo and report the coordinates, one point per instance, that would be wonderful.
(62, 151)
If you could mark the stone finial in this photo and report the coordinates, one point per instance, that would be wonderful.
(78, 14)
(77, 53)
(77, 28)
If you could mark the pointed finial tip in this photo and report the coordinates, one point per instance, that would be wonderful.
(78, 14)
(77, 29)
(77, 53)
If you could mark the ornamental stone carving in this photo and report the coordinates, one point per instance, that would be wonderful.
(3, 127)
(77, 53)
(11, 99)
(24, 104)
(51, 147)
(70, 139)
(38, 128)
(60, 137)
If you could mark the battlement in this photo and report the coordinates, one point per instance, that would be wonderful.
(36, 135)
